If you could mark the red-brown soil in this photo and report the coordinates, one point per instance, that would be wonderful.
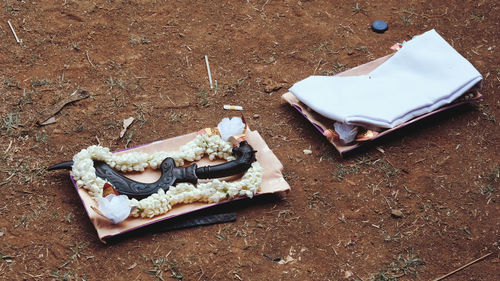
(145, 59)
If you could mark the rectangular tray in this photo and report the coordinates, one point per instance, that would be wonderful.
(272, 182)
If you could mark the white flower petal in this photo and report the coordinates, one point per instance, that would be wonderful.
(115, 208)
(230, 127)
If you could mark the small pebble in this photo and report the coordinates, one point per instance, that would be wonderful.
(307, 151)
(396, 213)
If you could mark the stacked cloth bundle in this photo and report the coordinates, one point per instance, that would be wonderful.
(425, 74)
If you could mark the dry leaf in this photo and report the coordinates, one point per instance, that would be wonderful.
(49, 121)
(126, 123)
(46, 116)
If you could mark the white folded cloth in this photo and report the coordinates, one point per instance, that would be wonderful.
(425, 74)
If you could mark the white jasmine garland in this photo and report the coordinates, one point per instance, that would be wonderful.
(210, 192)
(161, 202)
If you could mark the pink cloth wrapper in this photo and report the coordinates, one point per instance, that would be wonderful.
(272, 182)
(322, 123)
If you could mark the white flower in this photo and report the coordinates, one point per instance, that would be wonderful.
(115, 208)
(347, 133)
(230, 127)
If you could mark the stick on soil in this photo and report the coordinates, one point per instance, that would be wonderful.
(14, 32)
(462, 267)
(209, 74)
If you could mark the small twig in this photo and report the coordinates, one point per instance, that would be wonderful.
(462, 267)
(170, 100)
(209, 74)
(319, 63)
(390, 208)
(154, 252)
(4, 182)
(262, 9)
(348, 28)
(185, 105)
(334, 250)
(168, 254)
(87, 53)
(14, 32)
(8, 148)
(202, 273)
(8, 179)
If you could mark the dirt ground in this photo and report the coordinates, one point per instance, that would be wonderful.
(145, 59)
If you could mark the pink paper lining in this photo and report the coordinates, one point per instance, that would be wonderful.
(272, 182)
(322, 123)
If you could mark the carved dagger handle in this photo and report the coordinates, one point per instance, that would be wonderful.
(245, 156)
